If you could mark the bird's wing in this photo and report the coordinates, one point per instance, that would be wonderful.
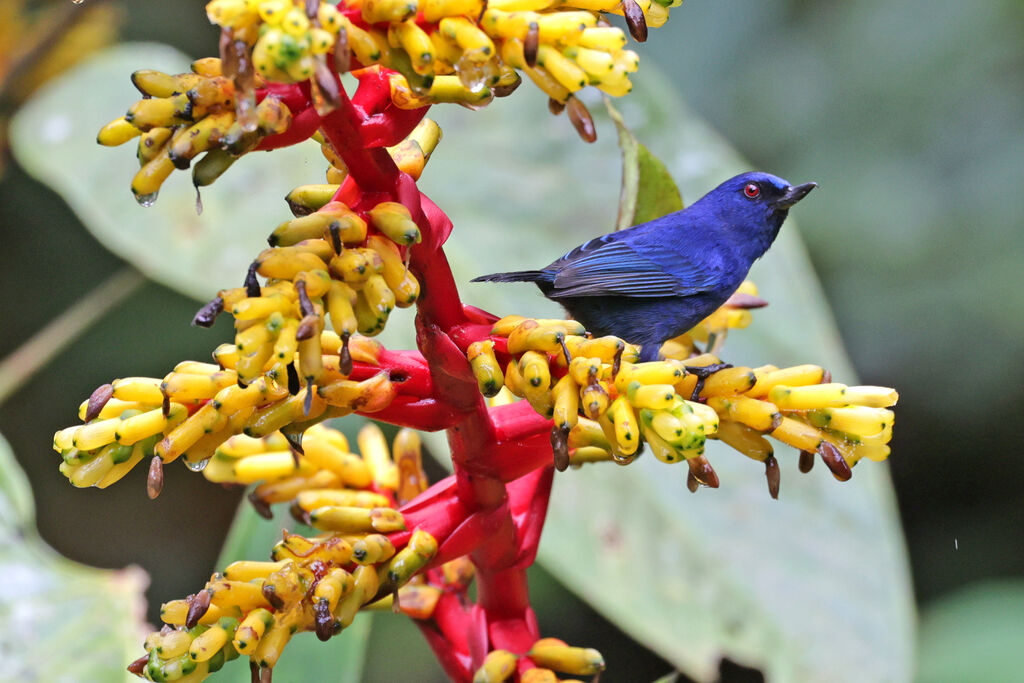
(610, 266)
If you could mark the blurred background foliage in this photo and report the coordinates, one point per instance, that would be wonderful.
(906, 112)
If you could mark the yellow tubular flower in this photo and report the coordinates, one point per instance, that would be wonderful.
(676, 404)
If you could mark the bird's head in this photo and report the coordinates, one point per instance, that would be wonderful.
(756, 204)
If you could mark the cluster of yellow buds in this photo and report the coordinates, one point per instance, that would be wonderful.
(286, 39)
(314, 584)
(185, 115)
(324, 263)
(464, 51)
(549, 655)
(198, 406)
(604, 403)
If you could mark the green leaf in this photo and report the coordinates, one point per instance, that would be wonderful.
(50, 606)
(648, 191)
(305, 658)
(54, 138)
(814, 586)
(975, 634)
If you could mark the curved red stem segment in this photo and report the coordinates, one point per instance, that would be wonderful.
(494, 505)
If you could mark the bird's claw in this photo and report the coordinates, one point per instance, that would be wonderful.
(703, 372)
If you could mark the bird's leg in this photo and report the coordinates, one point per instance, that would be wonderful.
(703, 372)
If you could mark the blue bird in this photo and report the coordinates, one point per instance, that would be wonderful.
(654, 281)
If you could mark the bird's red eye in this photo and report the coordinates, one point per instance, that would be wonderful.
(752, 191)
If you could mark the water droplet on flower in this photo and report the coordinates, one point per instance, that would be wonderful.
(146, 200)
(471, 73)
(197, 466)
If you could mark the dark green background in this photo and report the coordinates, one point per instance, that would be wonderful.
(909, 115)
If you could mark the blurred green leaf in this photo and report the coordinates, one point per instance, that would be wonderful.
(973, 635)
(49, 605)
(648, 191)
(54, 138)
(306, 658)
(811, 587)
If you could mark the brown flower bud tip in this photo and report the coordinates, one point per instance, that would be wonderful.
(97, 400)
(555, 107)
(155, 480)
(531, 44)
(745, 301)
(252, 285)
(271, 596)
(581, 119)
(267, 675)
(228, 56)
(165, 404)
(771, 472)
(691, 482)
(323, 619)
(294, 384)
(635, 20)
(298, 514)
(826, 377)
(806, 461)
(703, 472)
(307, 327)
(335, 232)
(305, 305)
(326, 93)
(198, 604)
(294, 440)
(506, 90)
(138, 666)
(311, 7)
(617, 361)
(260, 506)
(835, 461)
(342, 56)
(344, 357)
(560, 446)
(396, 605)
(254, 668)
(207, 315)
(307, 404)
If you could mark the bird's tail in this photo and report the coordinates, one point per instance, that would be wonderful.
(514, 276)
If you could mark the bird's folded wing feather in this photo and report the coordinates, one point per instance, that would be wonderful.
(605, 266)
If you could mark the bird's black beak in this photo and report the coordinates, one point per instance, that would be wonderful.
(794, 194)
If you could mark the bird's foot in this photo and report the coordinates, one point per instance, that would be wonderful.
(703, 372)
